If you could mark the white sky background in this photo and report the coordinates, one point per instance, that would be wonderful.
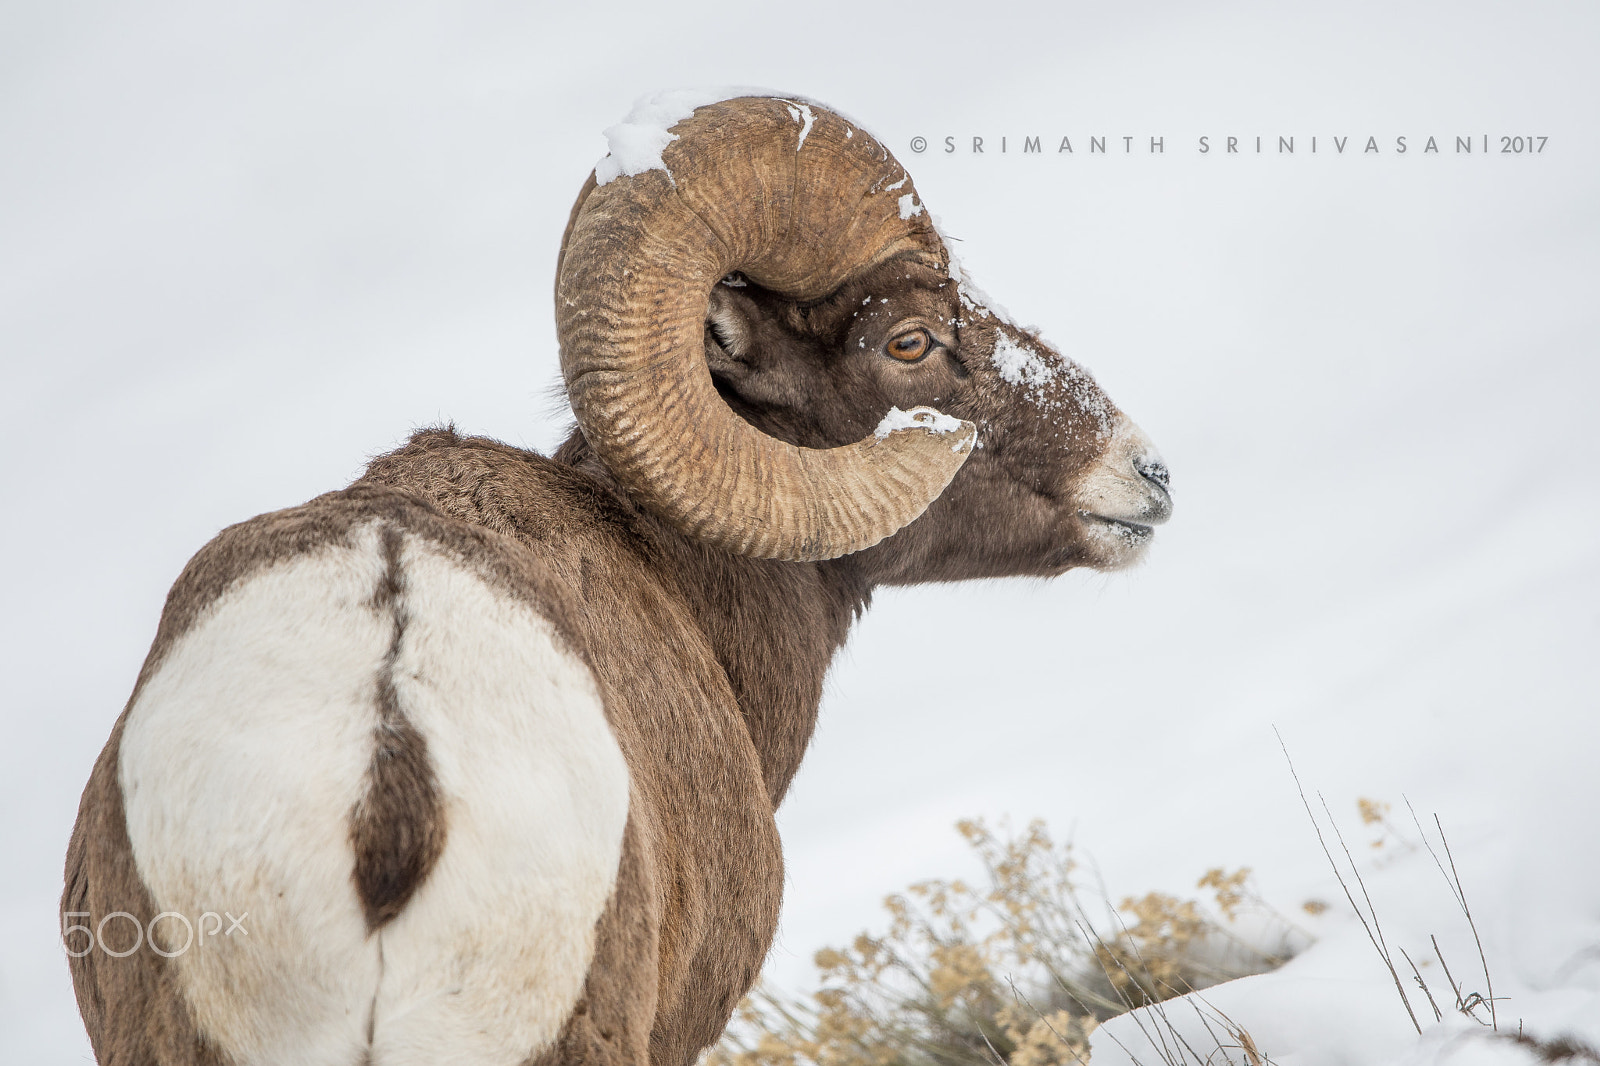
(242, 251)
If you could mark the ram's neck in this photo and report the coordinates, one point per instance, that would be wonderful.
(774, 626)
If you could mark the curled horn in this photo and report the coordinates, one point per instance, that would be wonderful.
(798, 208)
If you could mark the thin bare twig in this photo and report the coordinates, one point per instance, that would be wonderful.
(1212, 1033)
(1448, 976)
(1133, 1008)
(1377, 939)
(1126, 1050)
(1246, 1043)
(999, 1059)
(1377, 927)
(1158, 1006)
(1453, 879)
(1064, 1041)
(1494, 1019)
(1437, 1016)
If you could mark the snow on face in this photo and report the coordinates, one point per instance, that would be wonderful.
(1021, 366)
(1035, 371)
(924, 417)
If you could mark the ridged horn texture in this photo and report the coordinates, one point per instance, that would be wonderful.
(739, 192)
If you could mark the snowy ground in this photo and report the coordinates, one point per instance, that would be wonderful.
(243, 251)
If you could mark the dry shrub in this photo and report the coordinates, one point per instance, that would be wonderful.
(1011, 973)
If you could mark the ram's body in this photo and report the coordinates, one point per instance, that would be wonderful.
(466, 662)
(482, 752)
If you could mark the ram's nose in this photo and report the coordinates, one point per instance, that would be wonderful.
(1153, 469)
(1129, 484)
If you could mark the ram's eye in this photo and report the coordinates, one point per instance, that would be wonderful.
(910, 346)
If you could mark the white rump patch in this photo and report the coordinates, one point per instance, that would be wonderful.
(246, 751)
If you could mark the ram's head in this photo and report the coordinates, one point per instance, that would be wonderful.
(765, 342)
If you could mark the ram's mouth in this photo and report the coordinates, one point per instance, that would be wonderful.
(1131, 531)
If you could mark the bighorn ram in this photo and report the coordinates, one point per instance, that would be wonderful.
(487, 745)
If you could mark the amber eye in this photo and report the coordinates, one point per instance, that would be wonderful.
(911, 346)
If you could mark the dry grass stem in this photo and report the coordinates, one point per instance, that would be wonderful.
(1453, 879)
(1437, 1016)
(1369, 918)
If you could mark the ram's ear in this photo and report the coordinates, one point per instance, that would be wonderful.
(729, 333)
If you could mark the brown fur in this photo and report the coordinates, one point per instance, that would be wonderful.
(710, 665)
(131, 1006)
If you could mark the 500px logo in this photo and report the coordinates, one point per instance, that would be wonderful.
(162, 945)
